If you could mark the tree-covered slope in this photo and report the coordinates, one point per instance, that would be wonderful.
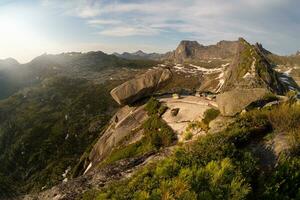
(45, 130)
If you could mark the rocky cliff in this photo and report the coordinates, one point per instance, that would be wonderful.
(251, 69)
(192, 50)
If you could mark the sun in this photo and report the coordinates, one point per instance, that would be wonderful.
(21, 37)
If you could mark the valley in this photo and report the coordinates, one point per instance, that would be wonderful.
(199, 122)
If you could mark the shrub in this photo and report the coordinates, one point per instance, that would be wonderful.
(162, 109)
(152, 106)
(132, 150)
(210, 115)
(284, 183)
(158, 132)
(218, 166)
(188, 135)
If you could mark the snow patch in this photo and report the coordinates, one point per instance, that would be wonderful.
(221, 82)
(225, 65)
(251, 74)
(87, 169)
(288, 72)
(64, 175)
(207, 71)
(247, 75)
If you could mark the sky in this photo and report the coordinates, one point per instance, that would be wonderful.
(29, 28)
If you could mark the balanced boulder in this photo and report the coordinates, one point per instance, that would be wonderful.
(233, 102)
(141, 86)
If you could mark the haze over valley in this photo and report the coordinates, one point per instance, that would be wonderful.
(149, 100)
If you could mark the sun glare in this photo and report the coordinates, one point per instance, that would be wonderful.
(18, 36)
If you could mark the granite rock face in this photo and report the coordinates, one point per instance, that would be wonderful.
(192, 50)
(233, 102)
(251, 69)
(141, 86)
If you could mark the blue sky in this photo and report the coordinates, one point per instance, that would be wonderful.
(33, 27)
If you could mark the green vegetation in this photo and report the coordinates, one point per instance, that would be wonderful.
(132, 150)
(221, 166)
(188, 135)
(156, 134)
(152, 106)
(46, 130)
(210, 115)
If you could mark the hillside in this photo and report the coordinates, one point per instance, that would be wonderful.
(45, 130)
(140, 55)
(60, 102)
(14, 76)
(206, 122)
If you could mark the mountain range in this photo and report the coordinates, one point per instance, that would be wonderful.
(64, 136)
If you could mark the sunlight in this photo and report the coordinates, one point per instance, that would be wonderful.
(19, 37)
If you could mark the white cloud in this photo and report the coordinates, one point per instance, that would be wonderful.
(103, 22)
(207, 20)
(128, 31)
(192, 16)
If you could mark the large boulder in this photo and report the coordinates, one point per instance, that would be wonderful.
(232, 102)
(141, 86)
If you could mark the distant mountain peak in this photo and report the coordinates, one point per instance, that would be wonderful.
(9, 62)
(139, 53)
(192, 50)
(188, 42)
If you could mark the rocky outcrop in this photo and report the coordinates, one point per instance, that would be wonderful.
(250, 69)
(141, 86)
(98, 178)
(233, 102)
(123, 123)
(192, 50)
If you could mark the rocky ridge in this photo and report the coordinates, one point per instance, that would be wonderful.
(244, 75)
(193, 51)
(140, 55)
